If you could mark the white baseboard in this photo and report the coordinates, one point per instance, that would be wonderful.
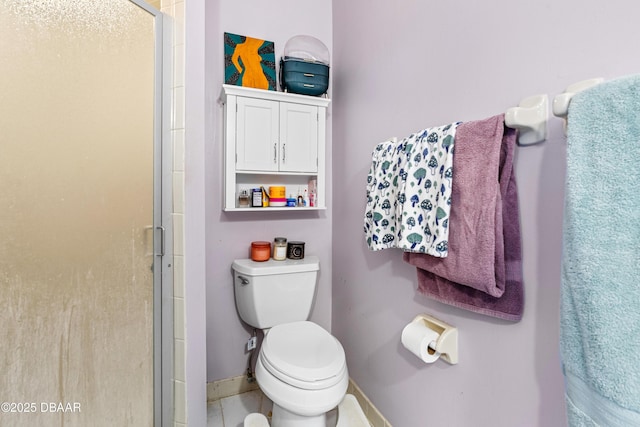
(376, 419)
(229, 387)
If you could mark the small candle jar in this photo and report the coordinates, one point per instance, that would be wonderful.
(260, 251)
(280, 248)
(295, 250)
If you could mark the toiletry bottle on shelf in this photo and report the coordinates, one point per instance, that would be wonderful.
(313, 194)
(256, 197)
(312, 199)
(306, 199)
(300, 199)
(243, 199)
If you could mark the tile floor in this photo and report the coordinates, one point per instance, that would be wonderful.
(230, 411)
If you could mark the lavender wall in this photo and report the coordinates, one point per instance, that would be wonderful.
(401, 67)
(229, 235)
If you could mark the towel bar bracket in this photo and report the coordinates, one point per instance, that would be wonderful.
(530, 117)
(561, 101)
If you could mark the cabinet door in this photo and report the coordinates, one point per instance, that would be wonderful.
(257, 147)
(298, 138)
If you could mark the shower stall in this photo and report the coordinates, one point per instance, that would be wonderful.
(82, 245)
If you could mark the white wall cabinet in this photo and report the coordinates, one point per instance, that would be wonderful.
(273, 138)
(276, 136)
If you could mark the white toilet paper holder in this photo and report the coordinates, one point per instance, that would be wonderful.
(447, 343)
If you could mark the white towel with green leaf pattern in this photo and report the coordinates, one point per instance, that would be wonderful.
(409, 192)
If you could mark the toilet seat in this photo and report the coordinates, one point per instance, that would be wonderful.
(304, 355)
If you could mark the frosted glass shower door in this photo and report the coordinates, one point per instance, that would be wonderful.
(77, 99)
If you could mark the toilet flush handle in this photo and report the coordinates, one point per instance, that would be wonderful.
(243, 280)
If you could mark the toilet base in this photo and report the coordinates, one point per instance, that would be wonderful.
(283, 418)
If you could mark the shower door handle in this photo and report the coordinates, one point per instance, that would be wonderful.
(162, 231)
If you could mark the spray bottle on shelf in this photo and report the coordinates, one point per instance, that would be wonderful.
(313, 194)
(312, 198)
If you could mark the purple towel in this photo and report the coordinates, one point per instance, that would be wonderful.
(483, 272)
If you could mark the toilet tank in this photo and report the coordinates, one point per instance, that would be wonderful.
(273, 292)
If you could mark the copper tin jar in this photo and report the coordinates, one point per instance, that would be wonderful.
(260, 251)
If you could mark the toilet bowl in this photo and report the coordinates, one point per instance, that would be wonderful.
(302, 369)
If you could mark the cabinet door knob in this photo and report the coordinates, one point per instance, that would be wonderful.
(275, 153)
(283, 152)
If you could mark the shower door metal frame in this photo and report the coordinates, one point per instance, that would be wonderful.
(162, 226)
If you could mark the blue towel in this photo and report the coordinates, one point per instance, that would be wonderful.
(600, 294)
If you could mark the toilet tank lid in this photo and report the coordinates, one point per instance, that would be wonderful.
(254, 268)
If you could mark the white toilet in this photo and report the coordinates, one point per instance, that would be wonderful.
(301, 367)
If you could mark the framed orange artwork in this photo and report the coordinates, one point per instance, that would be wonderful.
(249, 62)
